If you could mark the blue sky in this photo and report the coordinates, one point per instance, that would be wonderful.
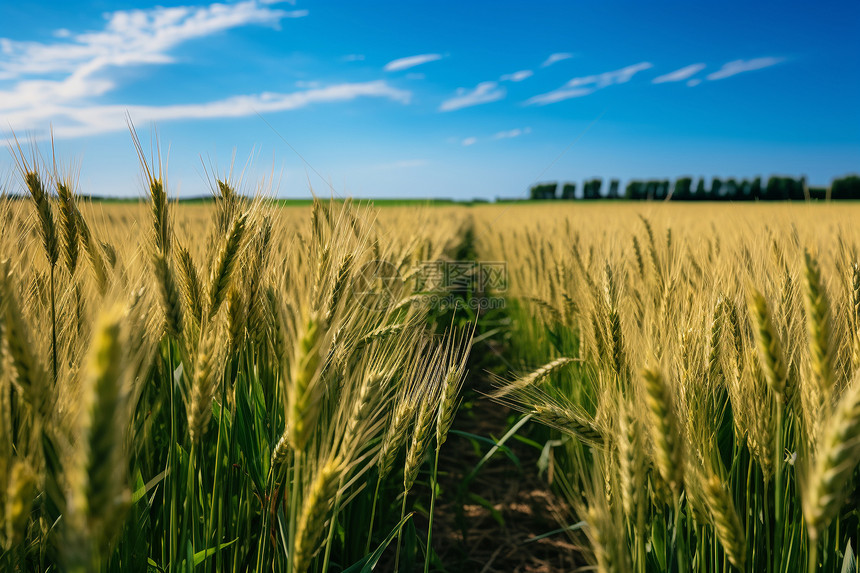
(434, 99)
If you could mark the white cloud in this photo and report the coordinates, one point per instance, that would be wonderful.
(586, 85)
(517, 76)
(77, 68)
(411, 62)
(510, 134)
(76, 121)
(484, 92)
(60, 83)
(694, 82)
(133, 37)
(679, 75)
(554, 58)
(353, 58)
(740, 66)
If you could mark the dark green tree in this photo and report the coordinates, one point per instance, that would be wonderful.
(847, 187)
(635, 190)
(716, 193)
(683, 189)
(730, 190)
(700, 194)
(613, 189)
(568, 191)
(591, 188)
(755, 189)
(543, 191)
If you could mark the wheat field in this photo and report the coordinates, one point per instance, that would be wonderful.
(700, 363)
(214, 386)
(233, 386)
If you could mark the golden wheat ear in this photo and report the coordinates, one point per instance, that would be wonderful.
(69, 225)
(837, 457)
(29, 371)
(818, 325)
(19, 502)
(315, 509)
(208, 369)
(225, 262)
(727, 524)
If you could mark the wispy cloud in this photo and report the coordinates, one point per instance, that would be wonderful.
(77, 68)
(62, 82)
(353, 58)
(131, 37)
(517, 76)
(75, 121)
(510, 134)
(484, 92)
(411, 62)
(586, 85)
(739, 66)
(555, 58)
(679, 75)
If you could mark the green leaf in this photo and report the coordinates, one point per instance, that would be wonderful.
(500, 445)
(201, 556)
(408, 562)
(529, 442)
(573, 527)
(247, 439)
(368, 562)
(658, 541)
(141, 489)
(495, 513)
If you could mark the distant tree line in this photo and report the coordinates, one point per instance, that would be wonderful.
(682, 189)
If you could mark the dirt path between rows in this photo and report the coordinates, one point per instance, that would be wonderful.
(482, 542)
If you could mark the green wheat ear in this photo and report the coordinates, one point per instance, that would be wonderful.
(769, 346)
(665, 429)
(818, 323)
